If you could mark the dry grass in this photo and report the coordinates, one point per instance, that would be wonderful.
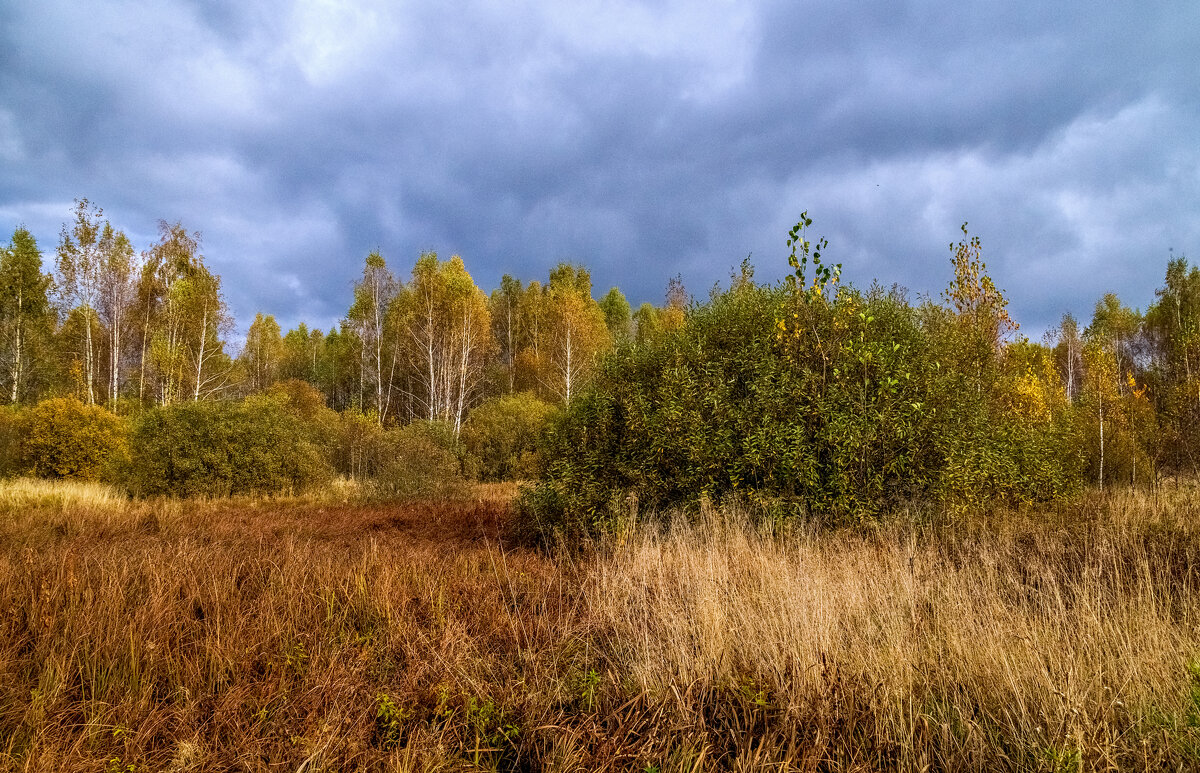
(1039, 641)
(311, 634)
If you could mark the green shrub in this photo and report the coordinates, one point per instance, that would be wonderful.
(417, 461)
(804, 403)
(503, 433)
(64, 438)
(10, 447)
(223, 448)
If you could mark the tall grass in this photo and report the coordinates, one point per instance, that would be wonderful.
(313, 634)
(1034, 641)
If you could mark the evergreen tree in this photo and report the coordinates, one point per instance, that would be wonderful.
(26, 315)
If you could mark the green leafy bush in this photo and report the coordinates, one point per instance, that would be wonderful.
(812, 401)
(503, 433)
(64, 438)
(223, 448)
(10, 449)
(417, 461)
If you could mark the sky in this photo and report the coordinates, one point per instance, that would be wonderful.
(643, 140)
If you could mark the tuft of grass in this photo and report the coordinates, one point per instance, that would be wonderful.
(38, 492)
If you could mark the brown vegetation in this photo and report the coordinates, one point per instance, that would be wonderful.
(304, 634)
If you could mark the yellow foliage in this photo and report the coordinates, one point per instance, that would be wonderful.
(64, 438)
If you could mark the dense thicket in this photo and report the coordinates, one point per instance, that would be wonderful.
(220, 448)
(809, 395)
(64, 438)
(839, 407)
(818, 398)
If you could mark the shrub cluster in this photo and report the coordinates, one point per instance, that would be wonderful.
(420, 460)
(63, 438)
(835, 405)
(502, 436)
(283, 440)
(223, 448)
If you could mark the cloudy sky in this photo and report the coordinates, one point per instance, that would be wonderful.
(642, 139)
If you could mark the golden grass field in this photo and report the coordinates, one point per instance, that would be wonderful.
(320, 634)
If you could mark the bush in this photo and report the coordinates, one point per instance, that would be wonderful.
(503, 433)
(10, 447)
(64, 438)
(417, 461)
(802, 404)
(224, 448)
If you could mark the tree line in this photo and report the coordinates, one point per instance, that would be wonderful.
(813, 388)
(123, 329)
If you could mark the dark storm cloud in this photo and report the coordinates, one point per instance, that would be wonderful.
(642, 139)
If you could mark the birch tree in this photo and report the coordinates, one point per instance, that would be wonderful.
(1068, 351)
(117, 292)
(79, 261)
(263, 353)
(445, 327)
(185, 319)
(577, 331)
(301, 354)
(505, 308)
(367, 317)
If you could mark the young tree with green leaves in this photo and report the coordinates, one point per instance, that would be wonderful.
(646, 324)
(618, 315)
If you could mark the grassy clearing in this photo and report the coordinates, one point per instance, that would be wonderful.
(321, 635)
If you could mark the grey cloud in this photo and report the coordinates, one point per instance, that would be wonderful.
(643, 139)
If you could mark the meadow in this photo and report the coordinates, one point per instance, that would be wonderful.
(328, 633)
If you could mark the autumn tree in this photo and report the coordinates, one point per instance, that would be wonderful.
(505, 309)
(338, 368)
(367, 317)
(184, 319)
(117, 279)
(1068, 354)
(674, 311)
(528, 364)
(443, 323)
(1172, 326)
(26, 316)
(79, 261)
(301, 354)
(263, 352)
(577, 331)
(1113, 397)
(981, 310)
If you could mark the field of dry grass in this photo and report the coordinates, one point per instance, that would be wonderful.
(308, 634)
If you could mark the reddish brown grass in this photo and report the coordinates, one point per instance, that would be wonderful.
(308, 635)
